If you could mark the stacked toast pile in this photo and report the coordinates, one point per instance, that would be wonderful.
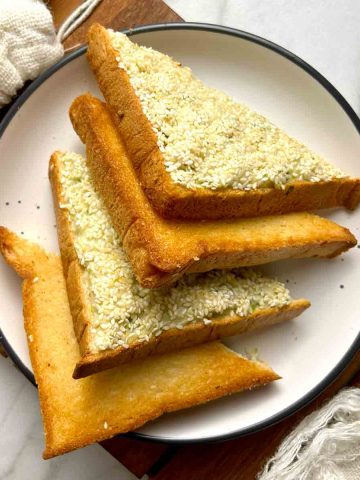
(182, 191)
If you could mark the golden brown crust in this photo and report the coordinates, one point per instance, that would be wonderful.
(168, 341)
(193, 334)
(172, 200)
(79, 412)
(72, 268)
(18, 255)
(152, 243)
(102, 59)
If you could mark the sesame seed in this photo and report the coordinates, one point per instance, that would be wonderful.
(35, 279)
(124, 313)
(31, 338)
(221, 143)
(106, 426)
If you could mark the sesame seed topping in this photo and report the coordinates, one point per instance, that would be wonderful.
(35, 279)
(221, 143)
(106, 426)
(124, 313)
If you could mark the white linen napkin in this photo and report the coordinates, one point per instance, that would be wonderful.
(324, 446)
(28, 44)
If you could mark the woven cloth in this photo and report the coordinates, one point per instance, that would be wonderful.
(28, 44)
(324, 446)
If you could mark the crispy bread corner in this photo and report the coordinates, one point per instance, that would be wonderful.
(79, 412)
(173, 200)
(152, 243)
(170, 340)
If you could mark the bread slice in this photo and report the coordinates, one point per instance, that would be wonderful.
(79, 412)
(162, 250)
(115, 319)
(167, 123)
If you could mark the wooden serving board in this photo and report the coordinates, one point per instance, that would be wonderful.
(116, 14)
(239, 459)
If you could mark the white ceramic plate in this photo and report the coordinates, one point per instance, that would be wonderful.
(308, 352)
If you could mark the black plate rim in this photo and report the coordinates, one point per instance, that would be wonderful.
(354, 348)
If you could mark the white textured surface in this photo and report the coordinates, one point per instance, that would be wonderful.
(28, 45)
(22, 442)
(323, 32)
(324, 446)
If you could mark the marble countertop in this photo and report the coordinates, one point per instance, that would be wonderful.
(22, 442)
(325, 33)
